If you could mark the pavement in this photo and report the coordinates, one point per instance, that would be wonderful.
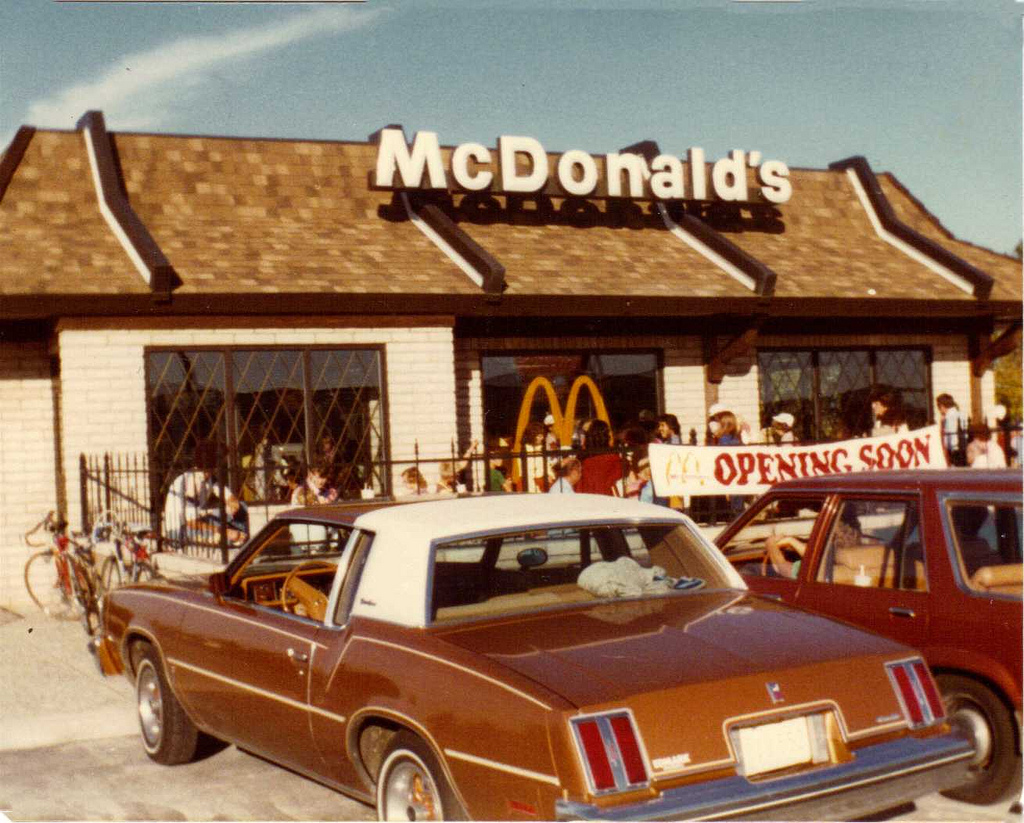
(51, 691)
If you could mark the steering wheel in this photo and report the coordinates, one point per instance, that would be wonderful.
(311, 598)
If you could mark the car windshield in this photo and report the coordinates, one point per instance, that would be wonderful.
(987, 538)
(293, 543)
(520, 571)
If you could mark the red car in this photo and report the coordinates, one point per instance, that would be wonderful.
(929, 558)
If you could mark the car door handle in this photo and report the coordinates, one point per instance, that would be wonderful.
(298, 657)
(898, 611)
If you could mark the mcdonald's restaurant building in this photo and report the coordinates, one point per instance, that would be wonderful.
(158, 290)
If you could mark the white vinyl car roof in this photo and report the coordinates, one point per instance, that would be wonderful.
(451, 517)
(394, 582)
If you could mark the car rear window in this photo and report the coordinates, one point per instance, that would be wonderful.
(987, 542)
(521, 571)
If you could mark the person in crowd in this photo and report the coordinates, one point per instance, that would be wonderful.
(539, 471)
(954, 430)
(452, 475)
(551, 441)
(498, 473)
(633, 482)
(291, 478)
(570, 470)
(983, 451)
(668, 430)
(649, 423)
(413, 482)
(601, 467)
(723, 427)
(781, 430)
(316, 489)
(888, 413)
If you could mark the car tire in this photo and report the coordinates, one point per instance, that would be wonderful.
(982, 715)
(168, 735)
(411, 784)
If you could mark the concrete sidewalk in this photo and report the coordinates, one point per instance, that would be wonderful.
(51, 691)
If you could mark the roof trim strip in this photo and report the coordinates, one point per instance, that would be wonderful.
(915, 245)
(700, 237)
(750, 272)
(12, 157)
(435, 225)
(129, 230)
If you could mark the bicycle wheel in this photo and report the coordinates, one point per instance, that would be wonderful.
(144, 572)
(48, 582)
(85, 593)
(110, 575)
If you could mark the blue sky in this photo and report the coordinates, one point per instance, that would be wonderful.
(927, 89)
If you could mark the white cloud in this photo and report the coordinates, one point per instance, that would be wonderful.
(138, 89)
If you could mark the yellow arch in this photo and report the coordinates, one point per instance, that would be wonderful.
(568, 422)
(524, 417)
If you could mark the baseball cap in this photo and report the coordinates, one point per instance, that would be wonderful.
(785, 418)
(717, 408)
(549, 420)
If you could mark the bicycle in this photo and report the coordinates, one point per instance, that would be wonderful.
(128, 542)
(71, 591)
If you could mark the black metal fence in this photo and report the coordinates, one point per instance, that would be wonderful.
(193, 510)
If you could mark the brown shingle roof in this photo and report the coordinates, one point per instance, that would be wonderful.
(244, 216)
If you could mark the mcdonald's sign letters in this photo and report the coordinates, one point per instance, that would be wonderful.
(696, 470)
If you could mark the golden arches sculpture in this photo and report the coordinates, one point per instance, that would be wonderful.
(564, 423)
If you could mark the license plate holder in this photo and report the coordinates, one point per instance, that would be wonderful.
(773, 746)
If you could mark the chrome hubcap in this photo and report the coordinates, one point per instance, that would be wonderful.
(970, 719)
(151, 705)
(411, 794)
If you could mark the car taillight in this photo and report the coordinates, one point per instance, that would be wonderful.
(920, 700)
(611, 751)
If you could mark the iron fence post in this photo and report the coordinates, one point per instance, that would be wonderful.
(83, 475)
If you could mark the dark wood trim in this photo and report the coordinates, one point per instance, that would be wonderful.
(13, 155)
(739, 346)
(1004, 344)
(645, 308)
(981, 282)
(162, 277)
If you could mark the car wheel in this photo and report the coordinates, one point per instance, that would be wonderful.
(168, 736)
(988, 723)
(411, 785)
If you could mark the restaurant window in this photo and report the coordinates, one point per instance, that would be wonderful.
(627, 381)
(269, 413)
(828, 390)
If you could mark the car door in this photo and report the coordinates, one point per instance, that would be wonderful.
(246, 664)
(791, 523)
(871, 568)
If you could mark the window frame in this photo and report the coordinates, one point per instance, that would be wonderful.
(952, 553)
(231, 449)
(659, 368)
(908, 500)
(872, 352)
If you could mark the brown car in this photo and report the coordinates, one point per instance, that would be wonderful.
(528, 657)
(929, 558)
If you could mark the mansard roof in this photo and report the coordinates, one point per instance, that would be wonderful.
(175, 223)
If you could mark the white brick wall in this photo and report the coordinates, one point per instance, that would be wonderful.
(434, 395)
(28, 483)
(103, 377)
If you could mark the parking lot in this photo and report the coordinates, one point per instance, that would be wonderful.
(69, 751)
